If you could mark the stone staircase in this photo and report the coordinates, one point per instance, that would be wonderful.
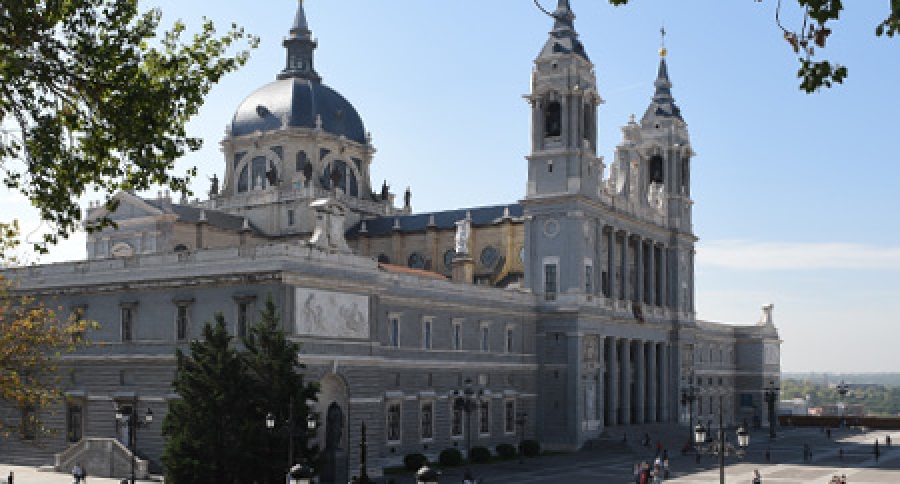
(101, 457)
(26, 455)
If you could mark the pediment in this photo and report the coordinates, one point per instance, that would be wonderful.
(130, 207)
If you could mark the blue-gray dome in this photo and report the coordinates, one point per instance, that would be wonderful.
(298, 101)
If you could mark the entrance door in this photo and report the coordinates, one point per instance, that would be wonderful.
(334, 454)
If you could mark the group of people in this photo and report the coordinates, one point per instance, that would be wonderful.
(836, 479)
(644, 473)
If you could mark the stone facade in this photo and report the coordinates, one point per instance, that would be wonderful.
(574, 306)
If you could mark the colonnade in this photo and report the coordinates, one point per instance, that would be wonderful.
(638, 381)
(642, 270)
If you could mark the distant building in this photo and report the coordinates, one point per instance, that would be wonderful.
(574, 306)
(837, 410)
(793, 406)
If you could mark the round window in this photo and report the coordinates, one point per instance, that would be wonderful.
(384, 259)
(448, 258)
(416, 261)
(489, 257)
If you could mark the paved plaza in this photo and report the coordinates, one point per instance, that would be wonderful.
(614, 465)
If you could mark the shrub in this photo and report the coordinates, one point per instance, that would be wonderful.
(506, 451)
(531, 448)
(450, 457)
(480, 455)
(414, 461)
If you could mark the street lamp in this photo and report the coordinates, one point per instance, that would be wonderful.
(127, 417)
(688, 396)
(301, 474)
(363, 471)
(290, 424)
(771, 396)
(842, 390)
(721, 447)
(467, 401)
(427, 475)
(521, 420)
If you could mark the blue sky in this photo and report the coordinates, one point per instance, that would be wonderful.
(796, 194)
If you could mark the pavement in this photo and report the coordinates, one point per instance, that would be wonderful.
(850, 453)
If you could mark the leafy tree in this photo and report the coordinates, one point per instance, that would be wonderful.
(280, 390)
(33, 336)
(99, 98)
(815, 28)
(210, 429)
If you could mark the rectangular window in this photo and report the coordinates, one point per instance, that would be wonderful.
(456, 426)
(426, 333)
(510, 339)
(29, 423)
(509, 416)
(393, 422)
(485, 337)
(243, 319)
(290, 214)
(457, 335)
(127, 324)
(181, 322)
(550, 285)
(394, 330)
(427, 412)
(589, 279)
(74, 421)
(484, 417)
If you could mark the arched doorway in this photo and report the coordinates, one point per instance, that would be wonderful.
(332, 408)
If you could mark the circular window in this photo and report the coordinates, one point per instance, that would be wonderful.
(448, 258)
(416, 261)
(489, 257)
(383, 259)
(551, 227)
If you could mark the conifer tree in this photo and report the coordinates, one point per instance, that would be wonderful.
(279, 389)
(210, 429)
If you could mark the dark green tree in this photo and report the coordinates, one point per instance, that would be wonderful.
(279, 389)
(210, 429)
(98, 98)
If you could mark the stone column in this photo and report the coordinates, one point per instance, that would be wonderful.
(665, 378)
(612, 382)
(652, 384)
(624, 267)
(611, 282)
(651, 274)
(625, 382)
(640, 384)
(663, 300)
(639, 270)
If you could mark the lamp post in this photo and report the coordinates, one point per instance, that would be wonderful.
(427, 475)
(771, 396)
(128, 418)
(291, 424)
(521, 420)
(363, 471)
(721, 447)
(842, 390)
(301, 474)
(467, 401)
(688, 396)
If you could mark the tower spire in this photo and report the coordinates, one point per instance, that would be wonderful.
(300, 46)
(563, 37)
(663, 104)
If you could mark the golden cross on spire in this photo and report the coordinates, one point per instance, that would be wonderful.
(662, 48)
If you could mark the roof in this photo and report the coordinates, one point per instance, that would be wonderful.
(663, 104)
(441, 220)
(189, 214)
(407, 270)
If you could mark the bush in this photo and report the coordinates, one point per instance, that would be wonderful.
(414, 461)
(506, 451)
(531, 448)
(450, 457)
(480, 455)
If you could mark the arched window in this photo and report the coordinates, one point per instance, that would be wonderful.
(588, 122)
(553, 119)
(346, 178)
(686, 176)
(244, 180)
(656, 169)
(302, 160)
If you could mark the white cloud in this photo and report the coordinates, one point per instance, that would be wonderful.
(749, 255)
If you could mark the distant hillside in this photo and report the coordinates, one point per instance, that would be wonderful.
(887, 379)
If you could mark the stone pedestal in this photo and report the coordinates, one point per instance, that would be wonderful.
(463, 269)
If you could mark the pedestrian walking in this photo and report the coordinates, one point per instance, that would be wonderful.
(756, 477)
(877, 451)
(78, 473)
(666, 468)
(887, 441)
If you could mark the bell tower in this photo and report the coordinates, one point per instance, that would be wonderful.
(564, 101)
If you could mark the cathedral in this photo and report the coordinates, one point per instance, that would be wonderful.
(567, 316)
